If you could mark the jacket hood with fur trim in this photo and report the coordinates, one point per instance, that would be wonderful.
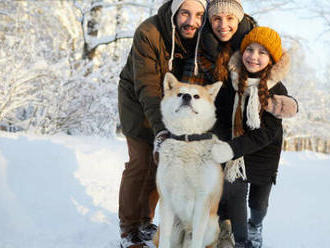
(278, 71)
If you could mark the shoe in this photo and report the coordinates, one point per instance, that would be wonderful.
(226, 237)
(246, 244)
(255, 235)
(148, 231)
(240, 245)
(132, 239)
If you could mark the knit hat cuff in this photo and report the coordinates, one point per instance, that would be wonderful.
(177, 3)
(226, 6)
(266, 37)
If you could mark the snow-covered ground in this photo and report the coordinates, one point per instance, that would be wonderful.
(62, 192)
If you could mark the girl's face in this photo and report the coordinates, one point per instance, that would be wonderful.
(255, 58)
(224, 26)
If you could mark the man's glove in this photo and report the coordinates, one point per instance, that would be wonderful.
(282, 106)
(222, 152)
(159, 139)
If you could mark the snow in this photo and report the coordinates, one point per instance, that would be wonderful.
(62, 191)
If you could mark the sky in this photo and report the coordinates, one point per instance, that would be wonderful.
(62, 192)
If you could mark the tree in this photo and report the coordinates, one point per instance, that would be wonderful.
(310, 128)
(67, 58)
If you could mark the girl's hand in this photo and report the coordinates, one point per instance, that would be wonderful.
(282, 106)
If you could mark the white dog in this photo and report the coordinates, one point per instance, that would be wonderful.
(189, 181)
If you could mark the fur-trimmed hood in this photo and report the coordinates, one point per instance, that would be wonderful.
(278, 71)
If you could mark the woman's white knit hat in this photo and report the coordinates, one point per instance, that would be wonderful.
(174, 8)
(233, 7)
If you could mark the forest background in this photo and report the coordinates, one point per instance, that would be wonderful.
(60, 62)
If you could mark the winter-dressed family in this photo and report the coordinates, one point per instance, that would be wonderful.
(201, 102)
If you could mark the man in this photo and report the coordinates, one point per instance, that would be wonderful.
(161, 43)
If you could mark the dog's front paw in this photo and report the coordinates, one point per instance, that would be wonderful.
(222, 152)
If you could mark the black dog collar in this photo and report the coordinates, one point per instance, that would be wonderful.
(191, 137)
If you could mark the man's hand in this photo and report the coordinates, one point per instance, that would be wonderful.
(282, 106)
(159, 139)
(222, 152)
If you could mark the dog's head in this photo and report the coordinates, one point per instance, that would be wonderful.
(188, 108)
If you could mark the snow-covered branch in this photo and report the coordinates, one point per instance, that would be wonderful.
(125, 3)
(324, 14)
(109, 39)
(4, 13)
(271, 7)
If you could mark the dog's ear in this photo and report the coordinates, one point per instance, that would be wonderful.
(213, 89)
(169, 81)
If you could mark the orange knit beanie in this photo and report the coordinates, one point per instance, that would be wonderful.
(266, 37)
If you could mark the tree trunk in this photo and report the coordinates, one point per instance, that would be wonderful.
(119, 11)
(92, 29)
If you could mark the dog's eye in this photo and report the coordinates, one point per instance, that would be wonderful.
(196, 96)
(179, 95)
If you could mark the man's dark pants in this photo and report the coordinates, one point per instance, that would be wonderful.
(138, 195)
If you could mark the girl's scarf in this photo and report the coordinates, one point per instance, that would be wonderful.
(236, 168)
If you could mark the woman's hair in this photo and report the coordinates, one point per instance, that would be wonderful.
(221, 66)
(263, 94)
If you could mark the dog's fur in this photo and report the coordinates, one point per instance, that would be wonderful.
(189, 181)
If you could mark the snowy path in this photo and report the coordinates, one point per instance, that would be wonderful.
(62, 192)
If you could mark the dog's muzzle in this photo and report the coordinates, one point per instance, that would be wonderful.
(186, 102)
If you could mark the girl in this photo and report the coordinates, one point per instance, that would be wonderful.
(256, 72)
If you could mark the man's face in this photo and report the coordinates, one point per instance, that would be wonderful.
(224, 26)
(189, 18)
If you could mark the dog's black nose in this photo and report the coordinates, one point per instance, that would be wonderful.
(186, 98)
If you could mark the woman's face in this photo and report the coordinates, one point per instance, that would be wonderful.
(224, 26)
(255, 58)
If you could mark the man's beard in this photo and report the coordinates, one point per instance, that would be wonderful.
(184, 27)
(189, 44)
